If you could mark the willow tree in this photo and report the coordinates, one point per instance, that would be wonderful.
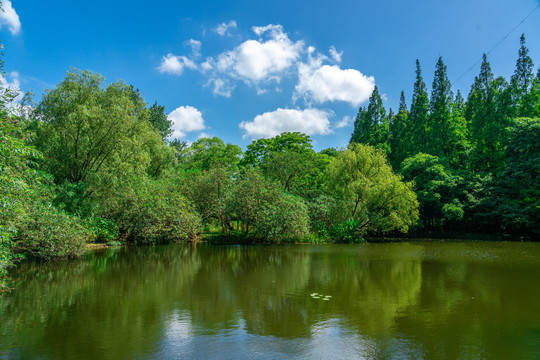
(369, 192)
(86, 129)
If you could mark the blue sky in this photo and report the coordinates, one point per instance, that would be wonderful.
(241, 70)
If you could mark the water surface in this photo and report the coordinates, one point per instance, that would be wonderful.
(416, 300)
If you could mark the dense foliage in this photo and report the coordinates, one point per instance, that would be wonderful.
(94, 163)
(474, 162)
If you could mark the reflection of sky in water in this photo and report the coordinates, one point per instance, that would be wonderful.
(389, 301)
(329, 339)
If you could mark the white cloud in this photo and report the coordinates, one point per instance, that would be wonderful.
(335, 55)
(346, 121)
(185, 119)
(254, 61)
(203, 135)
(10, 18)
(321, 83)
(173, 64)
(221, 87)
(269, 124)
(195, 46)
(223, 29)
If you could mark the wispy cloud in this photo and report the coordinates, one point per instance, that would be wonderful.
(224, 29)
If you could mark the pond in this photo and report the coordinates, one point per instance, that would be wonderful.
(414, 300)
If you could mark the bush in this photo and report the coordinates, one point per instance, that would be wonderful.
(103, 230)
(265, 211)
(147, 211)
(51, 233)
(284, 217)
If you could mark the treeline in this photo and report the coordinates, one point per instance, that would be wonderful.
(475, 162)
(92, 163)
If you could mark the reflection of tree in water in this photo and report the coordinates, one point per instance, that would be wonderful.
(477, 301)
(105, 307)
(397, 298)
(270, 286)
(369, 285)
(247, 282)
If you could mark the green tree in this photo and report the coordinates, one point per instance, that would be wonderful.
(265, 211)
(159, 120)
(210, 191)
(399, 136)
(514, 201)
(367, 190)
(148, 211)
(437, 188)
(290, 160)
(440, 139)
(371, 124)
(288, 141)
(418, 116)
(530, 106)
(209, 153)
(487, 112)
(87, 129)
(521, 81)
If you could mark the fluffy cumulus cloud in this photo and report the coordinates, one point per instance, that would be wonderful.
(322, 83)
(224, 29)
(10, 18)
(185, 119)
(346, 121)
(269, 124)
(271, 56)
(175, 64)
(255, 61)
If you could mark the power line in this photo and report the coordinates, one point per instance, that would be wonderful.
(497, 44)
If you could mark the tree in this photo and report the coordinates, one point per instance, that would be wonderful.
(367, 190)
(440, 139)
(288, 159)
(530, 106)
(418, 116)
(437, 189)
(521, 81)
(210, 191)
(399, 136)
(514, 202)
(266, 211)
(371, 124)
(159, 120)
(287, 141)
(209, 153)
(87, 129)
(487, 111)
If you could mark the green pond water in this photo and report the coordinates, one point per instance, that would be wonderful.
(415, 300)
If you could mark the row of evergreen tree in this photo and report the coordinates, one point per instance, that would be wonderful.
(468, 137)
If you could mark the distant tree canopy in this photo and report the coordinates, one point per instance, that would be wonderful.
(451, 147)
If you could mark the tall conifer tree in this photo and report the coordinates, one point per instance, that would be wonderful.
(440, 135)
(521, 81)
(418, 115)
(400, 140)
(487, 112)
(371, 126)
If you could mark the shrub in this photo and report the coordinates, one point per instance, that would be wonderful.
(147, 211)
(50, 233)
